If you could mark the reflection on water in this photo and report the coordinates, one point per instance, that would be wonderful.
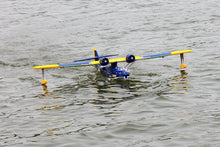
(56, 131)
(115, 91)
(47, 94)
(109, 92)
(105, 94)
(104, 91)
(50, 100)
(180, 83)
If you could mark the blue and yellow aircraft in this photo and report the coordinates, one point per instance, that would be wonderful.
(109, 67)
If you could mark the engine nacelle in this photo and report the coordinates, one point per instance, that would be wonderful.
(130, 58)
(104, 61)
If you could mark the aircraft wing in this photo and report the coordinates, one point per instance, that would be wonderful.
(112, 60)
(150, 56)
(78, 63)
(161, 55)
(68, 64)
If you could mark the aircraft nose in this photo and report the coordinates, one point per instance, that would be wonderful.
(125, 74)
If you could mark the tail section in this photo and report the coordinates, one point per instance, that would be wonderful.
(96, 55)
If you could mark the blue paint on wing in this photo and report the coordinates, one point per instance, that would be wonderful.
(74, 64)
(156, 55)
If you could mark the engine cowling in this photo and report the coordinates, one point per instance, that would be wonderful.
(104, 61)
(130, 58)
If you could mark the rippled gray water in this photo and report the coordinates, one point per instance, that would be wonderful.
(157, 106)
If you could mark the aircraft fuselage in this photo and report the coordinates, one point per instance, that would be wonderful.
(112, 71)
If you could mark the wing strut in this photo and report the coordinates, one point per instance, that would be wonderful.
(44, 81)
(182, 61)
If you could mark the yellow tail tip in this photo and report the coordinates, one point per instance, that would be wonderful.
(183, 66)
(43, 82)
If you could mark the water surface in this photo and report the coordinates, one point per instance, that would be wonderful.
(159, 105)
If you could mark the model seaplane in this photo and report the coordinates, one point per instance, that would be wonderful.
(109, 67)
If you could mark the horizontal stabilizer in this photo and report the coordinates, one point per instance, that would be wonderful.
(95, 58)
(85, 59)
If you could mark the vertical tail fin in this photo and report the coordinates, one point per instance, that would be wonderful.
(96, 55)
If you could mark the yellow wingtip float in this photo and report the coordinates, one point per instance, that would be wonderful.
(183, 66)
(43, 82)
(108, 67)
